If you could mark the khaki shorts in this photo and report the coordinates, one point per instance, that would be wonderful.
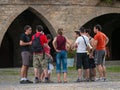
(39, 62)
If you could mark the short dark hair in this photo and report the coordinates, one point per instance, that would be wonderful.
(77, 32)
(49, 36)
(39, 28)
(82, 29)
(27, 27)
(88, 31)
(98, 26)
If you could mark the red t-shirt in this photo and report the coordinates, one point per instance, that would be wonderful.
(47, 49)
(43, 38)
(101, 38)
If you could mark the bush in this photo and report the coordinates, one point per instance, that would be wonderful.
(71, 53)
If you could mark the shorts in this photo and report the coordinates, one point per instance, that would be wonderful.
(92, 63)
(99, 57)
(26, 56)
(39, 62)
(49, 59)
(82, 60)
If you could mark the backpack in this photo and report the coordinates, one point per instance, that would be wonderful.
(36, 44)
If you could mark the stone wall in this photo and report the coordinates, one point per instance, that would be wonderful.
(69, 15)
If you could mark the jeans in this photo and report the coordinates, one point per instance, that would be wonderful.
(61, 60)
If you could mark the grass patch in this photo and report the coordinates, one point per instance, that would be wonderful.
(113, 69)
(109, 68)
(71, 70)
(8, 72)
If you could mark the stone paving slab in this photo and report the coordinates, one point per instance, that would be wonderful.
(64, 86)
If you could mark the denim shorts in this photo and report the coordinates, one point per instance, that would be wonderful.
(61, 60)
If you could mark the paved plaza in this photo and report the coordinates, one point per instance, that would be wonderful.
(9, 80)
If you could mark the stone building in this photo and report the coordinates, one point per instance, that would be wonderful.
(53, 14)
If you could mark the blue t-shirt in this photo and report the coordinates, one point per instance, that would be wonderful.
(25, 38)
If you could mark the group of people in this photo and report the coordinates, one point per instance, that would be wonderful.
(86, 60)
(93, 59)
(41, 57)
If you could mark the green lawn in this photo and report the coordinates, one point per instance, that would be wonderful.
(73, 69)
(113, 69)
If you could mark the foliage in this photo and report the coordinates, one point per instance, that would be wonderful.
(110, 1)
(71, 53)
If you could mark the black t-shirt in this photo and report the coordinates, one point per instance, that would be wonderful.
(25, 38)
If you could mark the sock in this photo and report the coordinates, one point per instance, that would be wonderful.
(21, 79)
(25, 78)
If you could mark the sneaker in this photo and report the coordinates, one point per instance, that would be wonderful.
(78, 80)
(36, 80)
(59, 81)
(65, 81)
(87, 80)
(25, 82)
(22, 82)
(101, 79)
(105, 79)
(96, 79)
(28, 81)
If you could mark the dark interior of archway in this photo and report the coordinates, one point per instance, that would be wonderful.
(111, 27)
(10, 50)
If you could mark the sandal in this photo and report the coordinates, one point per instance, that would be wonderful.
(59, 82)
(65, 81)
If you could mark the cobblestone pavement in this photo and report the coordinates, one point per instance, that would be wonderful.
(9, 80)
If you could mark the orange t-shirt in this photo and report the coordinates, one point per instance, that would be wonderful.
(101, 38)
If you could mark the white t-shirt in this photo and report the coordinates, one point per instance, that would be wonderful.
(81, 44)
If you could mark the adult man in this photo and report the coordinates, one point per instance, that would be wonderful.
(39, 58)
(25, 53)
(100, 43)
(82, 57)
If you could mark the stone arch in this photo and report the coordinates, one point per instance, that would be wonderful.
(110, 26)
(10, 42)
(15, 14)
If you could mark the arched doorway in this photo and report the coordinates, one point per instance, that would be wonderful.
(10, 50)
(110, 26)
